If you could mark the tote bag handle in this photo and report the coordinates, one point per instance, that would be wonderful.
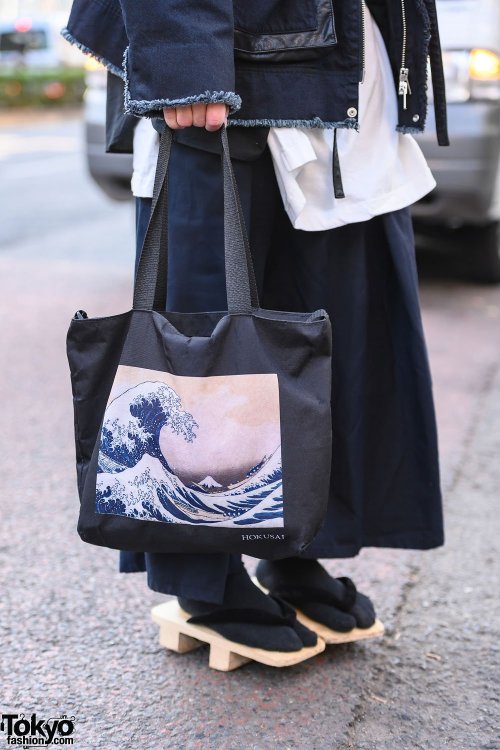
(151, 277)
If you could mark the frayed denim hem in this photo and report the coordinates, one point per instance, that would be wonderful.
(143, 107)
(408, 129)
(66, 33)
(316, 122)
(151, 108)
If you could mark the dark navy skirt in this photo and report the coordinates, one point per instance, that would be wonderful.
(385, 488)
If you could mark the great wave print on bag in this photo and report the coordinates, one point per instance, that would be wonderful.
(203, 450)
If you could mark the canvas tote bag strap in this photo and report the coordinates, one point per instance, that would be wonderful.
(233, 192)
(151, 277)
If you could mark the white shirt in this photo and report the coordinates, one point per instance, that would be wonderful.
(145, 156)
(382, 170)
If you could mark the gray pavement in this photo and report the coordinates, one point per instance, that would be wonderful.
(436, 683)
(76, 635)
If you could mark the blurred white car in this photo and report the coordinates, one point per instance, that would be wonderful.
(112, 172)
(467, 196)
(27, 42)
(34, 42)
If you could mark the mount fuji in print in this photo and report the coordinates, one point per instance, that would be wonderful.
(158, 461)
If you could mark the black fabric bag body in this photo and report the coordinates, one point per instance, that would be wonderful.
(203, 432)
(119, 126)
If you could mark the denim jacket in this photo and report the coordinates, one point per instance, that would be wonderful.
(286, 63)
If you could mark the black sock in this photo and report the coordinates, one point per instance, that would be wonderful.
(269, 625)
(334, 602)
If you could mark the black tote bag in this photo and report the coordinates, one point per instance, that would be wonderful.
(203, 432)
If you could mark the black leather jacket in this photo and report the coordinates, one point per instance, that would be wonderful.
(274, 62)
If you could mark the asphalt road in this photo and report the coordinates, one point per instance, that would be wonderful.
(76, 636)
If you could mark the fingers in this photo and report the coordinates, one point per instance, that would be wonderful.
(199, 115)
(184, 116)
(170, 115)
(209, 116)
(216, 116)
(178, 117)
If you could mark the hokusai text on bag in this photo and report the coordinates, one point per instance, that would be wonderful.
(202, 432)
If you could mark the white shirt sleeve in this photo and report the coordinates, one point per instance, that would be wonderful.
(146, 145)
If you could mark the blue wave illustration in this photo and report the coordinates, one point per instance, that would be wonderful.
(134, 422)
(135, 479)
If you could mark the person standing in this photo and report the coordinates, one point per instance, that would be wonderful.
(321, 102)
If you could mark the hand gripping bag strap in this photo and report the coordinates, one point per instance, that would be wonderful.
(151, 277)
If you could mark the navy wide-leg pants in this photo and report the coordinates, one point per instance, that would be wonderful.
(385, 478)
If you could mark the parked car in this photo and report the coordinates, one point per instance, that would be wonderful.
(467, 197)
(112, 172)
(27, 42)
(36, 65)
(35, 43)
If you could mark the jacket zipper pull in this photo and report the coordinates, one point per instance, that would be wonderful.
(363, 41)
(404, 85)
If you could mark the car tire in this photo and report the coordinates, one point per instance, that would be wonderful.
(479, 248)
